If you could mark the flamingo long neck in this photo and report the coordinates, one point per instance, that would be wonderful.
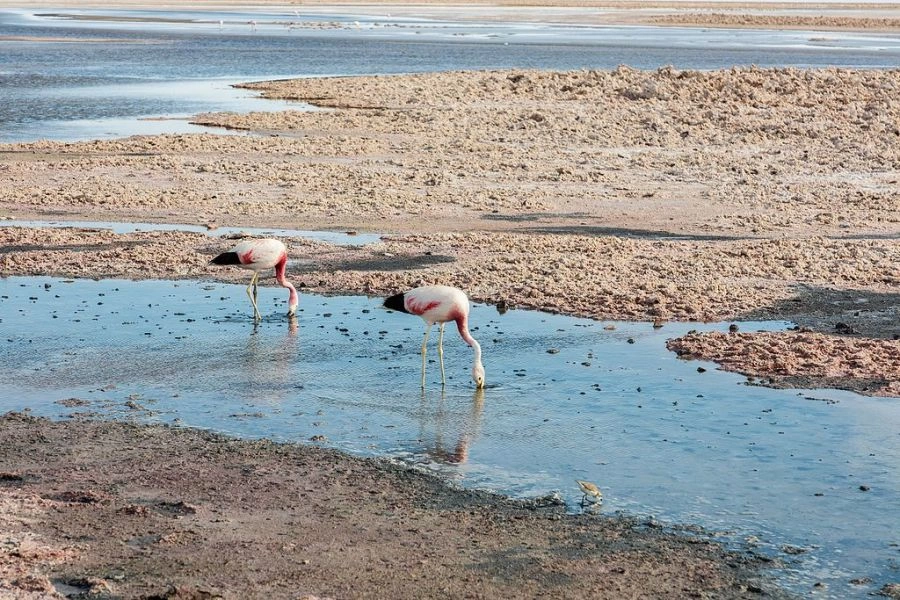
(462, 323)
(280, 270)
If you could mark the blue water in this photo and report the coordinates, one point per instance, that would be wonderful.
(339, 238)
(110, 73)
(774, 468)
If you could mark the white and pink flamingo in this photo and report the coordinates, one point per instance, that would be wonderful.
(440, 304)
(256, 256)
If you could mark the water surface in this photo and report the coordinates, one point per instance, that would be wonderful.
(567, 398)
(105, 72)
(342, 238)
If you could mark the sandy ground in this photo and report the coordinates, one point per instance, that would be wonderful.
(669, 195)
(657, 196)
(113, 510)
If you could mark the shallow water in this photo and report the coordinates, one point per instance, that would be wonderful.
(87, 78)
(566, 398)
(332, 237)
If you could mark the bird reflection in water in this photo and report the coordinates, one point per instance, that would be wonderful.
(269, 364)
(468, 429)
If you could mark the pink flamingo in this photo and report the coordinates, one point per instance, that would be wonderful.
(259, 255)
(440, 304)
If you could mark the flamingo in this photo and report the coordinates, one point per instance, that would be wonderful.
(440, 304)
(259, 255)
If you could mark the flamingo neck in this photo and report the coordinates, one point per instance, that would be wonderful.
(462, 323)
(280, 270)
(477, 348)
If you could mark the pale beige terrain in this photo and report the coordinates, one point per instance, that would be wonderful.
(748, 193)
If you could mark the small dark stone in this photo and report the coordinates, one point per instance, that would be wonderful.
(844, 328)
(890, 590)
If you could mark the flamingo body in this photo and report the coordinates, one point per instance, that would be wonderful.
(440, 304)
(260, 255)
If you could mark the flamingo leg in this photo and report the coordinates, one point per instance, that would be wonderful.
(424, 343)
(251, 292)
(441, 352)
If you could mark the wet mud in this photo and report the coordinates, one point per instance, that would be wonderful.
(111, 510)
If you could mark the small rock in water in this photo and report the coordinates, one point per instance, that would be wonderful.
(844, 328)
(551, 499)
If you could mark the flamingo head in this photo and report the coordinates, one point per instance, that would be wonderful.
(478, 375)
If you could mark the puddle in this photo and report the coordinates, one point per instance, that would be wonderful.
(341, 238)
(566, 399)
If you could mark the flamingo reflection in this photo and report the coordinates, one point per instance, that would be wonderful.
(468, 429)
(268, 364)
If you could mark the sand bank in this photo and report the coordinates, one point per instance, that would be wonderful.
(746, 193)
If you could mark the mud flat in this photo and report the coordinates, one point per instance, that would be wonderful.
(668, 195)
(163, 512)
